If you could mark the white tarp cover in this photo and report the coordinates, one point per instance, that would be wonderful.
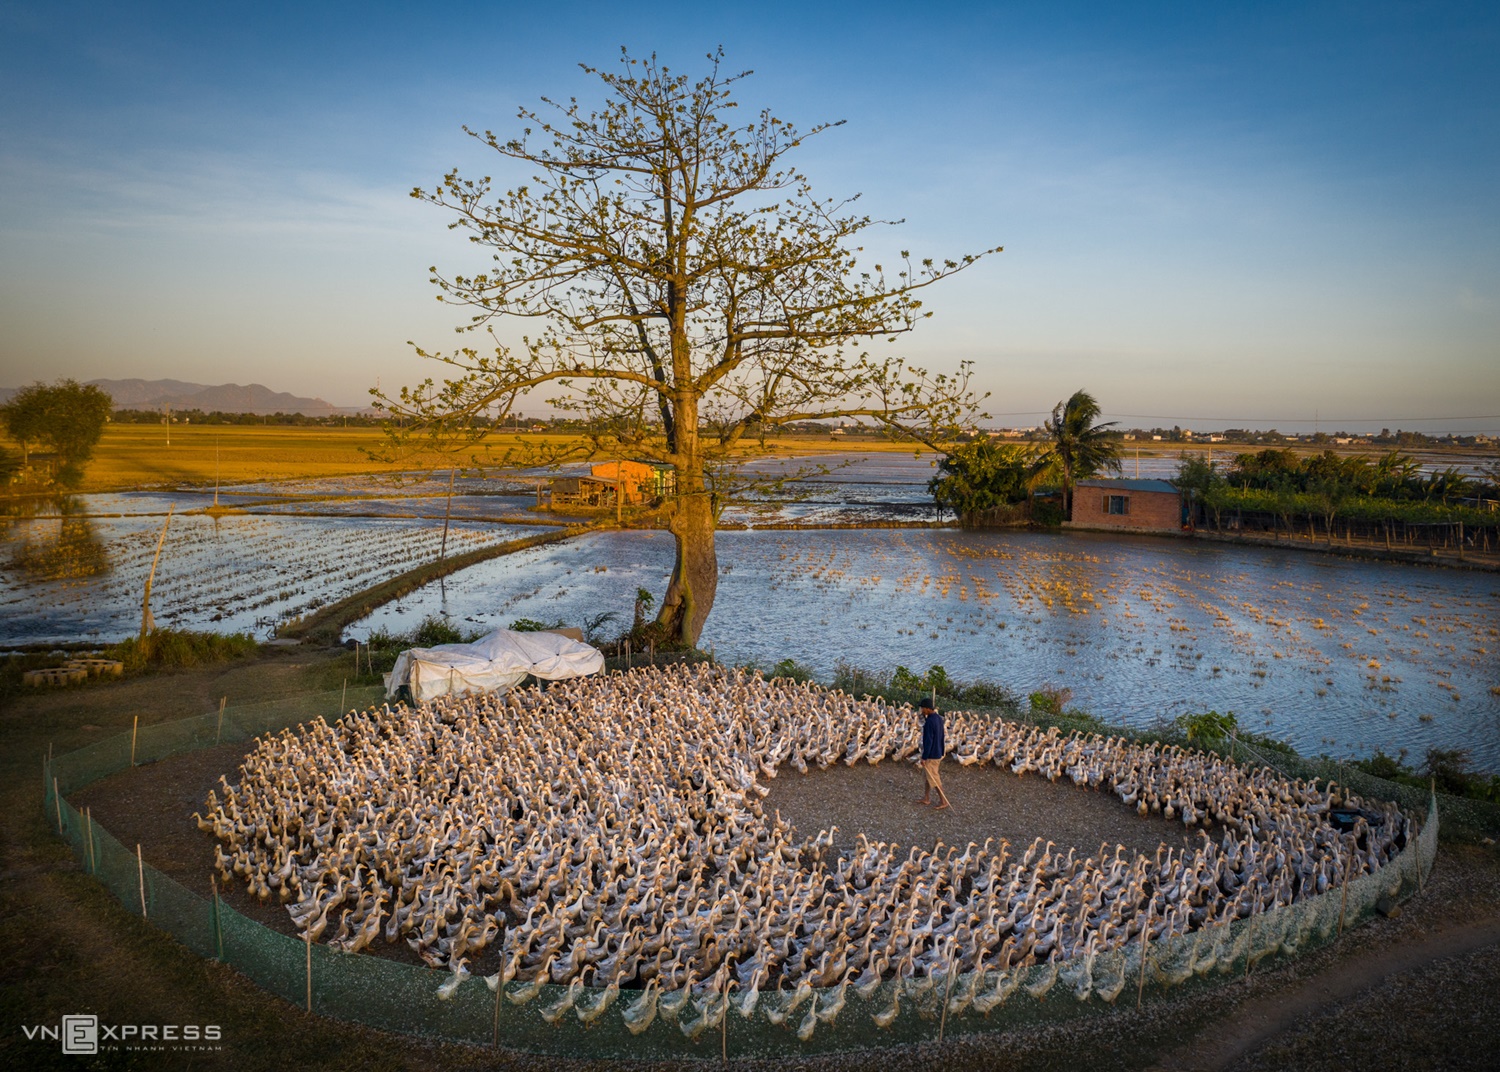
(493, 663)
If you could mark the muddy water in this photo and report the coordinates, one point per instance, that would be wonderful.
(1335, 655)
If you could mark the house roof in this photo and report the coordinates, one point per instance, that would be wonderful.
(1140, 484)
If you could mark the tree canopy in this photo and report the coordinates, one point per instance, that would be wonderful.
(686, 292)
(67, 417)
(1080, 445)
(981, 475)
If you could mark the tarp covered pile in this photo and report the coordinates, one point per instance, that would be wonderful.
(493, 663)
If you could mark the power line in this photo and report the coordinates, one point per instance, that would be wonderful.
(1262, 420)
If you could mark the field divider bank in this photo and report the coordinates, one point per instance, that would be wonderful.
(327, 623)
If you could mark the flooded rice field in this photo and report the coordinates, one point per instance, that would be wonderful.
(75, 576)
(1335, 655)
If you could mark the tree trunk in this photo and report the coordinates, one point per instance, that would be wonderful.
(695, 576)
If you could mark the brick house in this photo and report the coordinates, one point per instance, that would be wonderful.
(1128, 505)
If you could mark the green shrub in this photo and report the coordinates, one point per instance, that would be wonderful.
(935, 680)
(988, 694)
(857, 682)
(182, 647)
(1049, 700)
(1449, 767)
(1048, 512)
(1209, 728)
(793, 670)
(1383, 766)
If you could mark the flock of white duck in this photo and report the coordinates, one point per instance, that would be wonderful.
(608, 835)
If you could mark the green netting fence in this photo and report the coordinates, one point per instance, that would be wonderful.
(395, 996)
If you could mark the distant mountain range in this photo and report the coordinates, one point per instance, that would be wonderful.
(225, 398)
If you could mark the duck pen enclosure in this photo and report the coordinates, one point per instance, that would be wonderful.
(590, 871)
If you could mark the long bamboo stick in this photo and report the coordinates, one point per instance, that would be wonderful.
(500, 982)
(1344, 900)
(134, 729)
(947, 989)
(308, 935)
(218, 927)
(1140, 990)
(147, 622)
(57, 805)
(140, 870)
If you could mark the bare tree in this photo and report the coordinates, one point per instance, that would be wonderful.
(689, 294)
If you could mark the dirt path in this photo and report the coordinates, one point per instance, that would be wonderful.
(1260, 1020)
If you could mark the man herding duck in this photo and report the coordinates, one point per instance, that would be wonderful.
(932, 754)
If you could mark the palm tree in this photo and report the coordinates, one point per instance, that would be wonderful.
(1080, 447)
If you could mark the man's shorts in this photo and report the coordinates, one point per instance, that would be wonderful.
(930, 768)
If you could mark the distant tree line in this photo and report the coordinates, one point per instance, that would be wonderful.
(1387, 496)
(197, 416)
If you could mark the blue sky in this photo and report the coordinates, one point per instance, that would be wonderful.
(1212, 215)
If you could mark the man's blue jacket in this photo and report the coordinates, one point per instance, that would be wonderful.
(932, 736)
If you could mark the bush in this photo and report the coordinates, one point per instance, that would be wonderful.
(1210, 728)
(182, 647)
(935, 680)
(1048, 512)
(857, 682)
(793, 670)
(531, 625)
(436, 630)
(1048, 700)
(1449, 767)
(1381, 765)
(988, 694)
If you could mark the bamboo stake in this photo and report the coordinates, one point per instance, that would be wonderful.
(57, 804)
(140, 871)
(724, 1022)
(213, 884)
(947, 993)
(88, 833)
(500, 984)
(343, 698)
(134, 728)
(1140, 990)
(308, 935)
(1344, 900)
(447, 513)
(219, 732)
(147, 622)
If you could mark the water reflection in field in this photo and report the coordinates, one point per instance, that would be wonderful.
(70, 576)
(1332, 654)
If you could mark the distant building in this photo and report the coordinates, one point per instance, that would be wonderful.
(1129, 505)
(634, 483)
